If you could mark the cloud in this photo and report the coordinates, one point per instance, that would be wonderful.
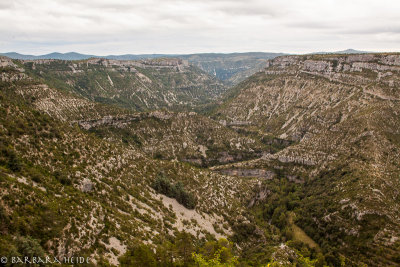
(186, 26)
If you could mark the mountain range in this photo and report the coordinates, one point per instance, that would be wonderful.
(79, 56)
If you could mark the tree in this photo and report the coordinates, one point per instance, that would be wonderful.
(215, 261)
(184, 247)
(223, 247)
(165, 254)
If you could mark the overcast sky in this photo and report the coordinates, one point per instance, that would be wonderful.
(105, 27)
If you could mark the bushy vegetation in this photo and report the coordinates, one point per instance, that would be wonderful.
(281, 208)
(284, 197)
(163, 186)
(183, 250)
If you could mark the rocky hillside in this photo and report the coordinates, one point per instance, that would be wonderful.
(67, 192)
(187, 137)
(342, 112)
(287, 94)
(184, 136)
(138, 85)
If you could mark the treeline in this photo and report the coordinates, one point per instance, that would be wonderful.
(186, 251)
(164, 186)
(181, 251)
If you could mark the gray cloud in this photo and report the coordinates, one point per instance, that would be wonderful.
(186, 26)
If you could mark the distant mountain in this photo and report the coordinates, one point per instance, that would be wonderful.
(352, 51)
(56, 55)
(347, 51)
(66, 56)
(78, 56)
(138, 57)
(15, 55)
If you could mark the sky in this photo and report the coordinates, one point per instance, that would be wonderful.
(103, 27)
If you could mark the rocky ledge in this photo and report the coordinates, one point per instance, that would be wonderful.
(343, 68)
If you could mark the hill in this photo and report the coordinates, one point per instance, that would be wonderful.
(341, 112)
(138, 85)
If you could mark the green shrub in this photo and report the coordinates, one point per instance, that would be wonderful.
(10, 159)
(62, 178)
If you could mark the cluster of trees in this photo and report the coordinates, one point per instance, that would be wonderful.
(284, 197)
(163, 186)
(287, 199)
(181, 252)
(278, 208)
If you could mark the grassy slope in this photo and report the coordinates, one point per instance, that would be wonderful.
(300, 235)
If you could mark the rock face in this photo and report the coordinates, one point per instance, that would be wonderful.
(6, 62)
(13, 77)
(293, 90)
(129, 65)
(86, 185)
(342, 68)
(259, 173)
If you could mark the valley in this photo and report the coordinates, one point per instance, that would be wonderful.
(288, 160)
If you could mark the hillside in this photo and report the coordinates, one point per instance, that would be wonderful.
(137, 85)
(342, 113)
(186, 137)
(65, 191)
